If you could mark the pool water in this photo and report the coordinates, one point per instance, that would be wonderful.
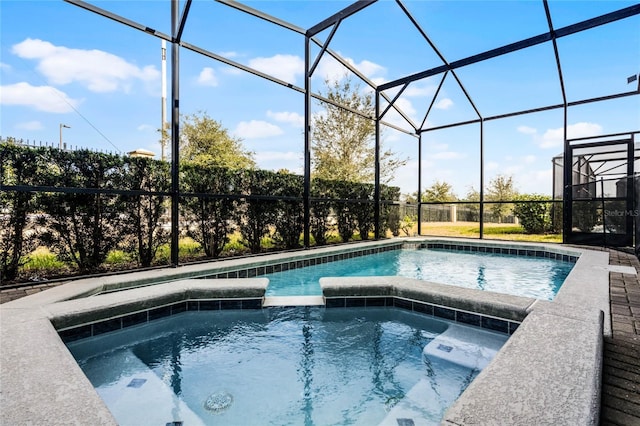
(302, 366)
(539, 278)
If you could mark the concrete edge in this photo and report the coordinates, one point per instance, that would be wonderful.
(567, 359)
(81, 311)
(583, 287)
(41, 381)
(499, 305)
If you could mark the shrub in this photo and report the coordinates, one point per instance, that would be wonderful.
(534, 213)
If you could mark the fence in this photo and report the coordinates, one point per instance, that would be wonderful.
(40, 144)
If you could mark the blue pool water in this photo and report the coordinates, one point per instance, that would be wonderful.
(296, 366)
(540, 278)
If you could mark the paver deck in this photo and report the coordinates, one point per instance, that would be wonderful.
(621, 373)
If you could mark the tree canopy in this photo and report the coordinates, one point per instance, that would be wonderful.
(205, 142)
(501, 188)
(344, 142)
(439, 191)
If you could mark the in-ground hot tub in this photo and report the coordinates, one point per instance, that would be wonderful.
(562, 339)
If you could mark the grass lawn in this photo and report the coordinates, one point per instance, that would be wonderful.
(42, 263)
(497, 231)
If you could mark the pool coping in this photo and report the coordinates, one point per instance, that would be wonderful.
(38, 364)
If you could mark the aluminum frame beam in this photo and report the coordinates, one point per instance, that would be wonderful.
(519, 45)
(344, 13)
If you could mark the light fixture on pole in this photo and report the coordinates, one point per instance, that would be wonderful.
(163, 110)
(66, 127)
(634, 78)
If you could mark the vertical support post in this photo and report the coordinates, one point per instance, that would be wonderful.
(376, 190)
(419, 184)
(604, 214)
(163, 106)
(307, 145)
(481, 178)
(567, 196)
(175, 134)
(630, 195)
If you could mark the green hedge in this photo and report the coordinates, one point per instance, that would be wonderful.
(83, 205)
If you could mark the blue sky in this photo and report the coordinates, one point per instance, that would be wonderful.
(60, 64)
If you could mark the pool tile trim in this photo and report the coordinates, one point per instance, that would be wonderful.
(257, 270)
(95, 328)
(510, 250)
(492, 323)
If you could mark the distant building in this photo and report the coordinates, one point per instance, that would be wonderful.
(141, 153)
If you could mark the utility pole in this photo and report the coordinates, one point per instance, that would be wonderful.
(163, 126)
(62, 126)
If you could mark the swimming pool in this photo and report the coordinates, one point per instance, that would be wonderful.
(537, 277)
(286, 366)
(563, 339)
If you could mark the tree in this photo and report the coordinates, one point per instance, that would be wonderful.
(210, 219)
(204, 142)
(18, 166)
(82, 227)
(320, 220)
(471, 211)
(256, 215)
(439, 192)
(144, 212)
(288, 219)
(501, 188)
(343, 142)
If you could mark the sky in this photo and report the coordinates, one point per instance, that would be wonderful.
(67, 70)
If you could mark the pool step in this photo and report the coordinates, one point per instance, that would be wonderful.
(272, 301)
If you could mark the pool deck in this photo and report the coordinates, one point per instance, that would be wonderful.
(621, 372)
(621, 354)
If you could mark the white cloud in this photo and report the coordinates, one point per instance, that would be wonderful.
(527, 130)
(378, 80)
(438, 146)
(145, 128)
(270, 156)
(97, 70)
(41, 98)
(274, 160)
(393, 117)
(536, 181)
(208, 77)
(419, 91)
(446, 155)
(367, 68)
(445, 103)
(528, 159)
(256, 129)
(406, 106)
(492, 165)
(292, 118)
(332, 70)
(554, 138)
(29, 125)
(4, 67)
(511, 170)
(284, 67)
(406, 177)
(229, 70)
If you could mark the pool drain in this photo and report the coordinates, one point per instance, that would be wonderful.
(218, 402)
